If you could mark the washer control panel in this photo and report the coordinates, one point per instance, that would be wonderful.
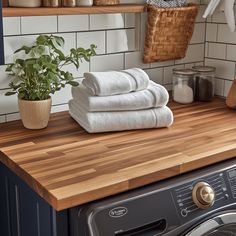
(204, 193)
(185, 204)
(231, 174)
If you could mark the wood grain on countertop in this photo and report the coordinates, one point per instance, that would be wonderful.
(68, 167)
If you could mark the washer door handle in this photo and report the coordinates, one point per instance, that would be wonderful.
(212, 224)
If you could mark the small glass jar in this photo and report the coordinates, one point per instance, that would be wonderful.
(51, 3)
(183, 85)
(68, 3)
(205, 83)
(84, 2)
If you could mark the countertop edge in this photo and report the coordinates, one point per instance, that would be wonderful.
(29, 180)
(131, 184)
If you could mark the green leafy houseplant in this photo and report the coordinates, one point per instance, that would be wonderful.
(40, 74)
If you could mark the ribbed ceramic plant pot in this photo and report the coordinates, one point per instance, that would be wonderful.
(35, 114)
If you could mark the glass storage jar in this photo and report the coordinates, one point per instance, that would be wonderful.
(84, 2)
(68, 3)
(51, 3)
(205, 83)
(183, 85)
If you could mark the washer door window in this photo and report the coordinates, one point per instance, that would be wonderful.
(222, 225)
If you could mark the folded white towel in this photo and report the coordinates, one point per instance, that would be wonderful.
(154, 96)
(116, 82)
(96, 122)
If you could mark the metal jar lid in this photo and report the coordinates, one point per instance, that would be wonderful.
(186, 72)
(204, 68)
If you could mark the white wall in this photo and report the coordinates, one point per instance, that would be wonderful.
(221, 51)
(110, 32)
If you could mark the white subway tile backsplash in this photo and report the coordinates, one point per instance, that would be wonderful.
(189, 66)
(2, 119)
(218, 16)
(208, 19)
(200, 13)
(162, 64)
(211, 32)
(134, 59)
(231, 52)
(98, 38)
(217, 50)
(120, 40)
(227, 87)
(73, 23)
(219, 87)
(106, 21)
(11, 25)
(194, 53)
(225, 35)
(70, 41)
(224, 69)
(38, 24)
(107, 62)
(156, 75)
(143, 29)
(130, 20)
(206, 49)
(13, 117)
(199, 33)
(84, 67)
(62, 96)
(8, 104)
(4, 78)
(199, 63)
(131, 39)
(12, 43)
(59, 108)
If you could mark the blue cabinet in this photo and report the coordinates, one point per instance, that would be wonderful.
(1, 37)
(25, 213)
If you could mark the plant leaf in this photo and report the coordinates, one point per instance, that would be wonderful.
(9, 93)
(73, 83)
(41, 73)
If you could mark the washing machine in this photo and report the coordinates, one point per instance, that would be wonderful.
(199, 203)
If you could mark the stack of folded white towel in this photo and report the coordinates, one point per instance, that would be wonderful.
(120, 100)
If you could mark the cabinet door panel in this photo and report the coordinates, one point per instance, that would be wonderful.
(1, 37)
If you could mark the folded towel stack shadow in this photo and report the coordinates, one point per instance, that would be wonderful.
(120, 100)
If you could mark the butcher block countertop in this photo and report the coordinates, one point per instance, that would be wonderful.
(68, 167)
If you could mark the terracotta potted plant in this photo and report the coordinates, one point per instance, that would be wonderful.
(40, 74)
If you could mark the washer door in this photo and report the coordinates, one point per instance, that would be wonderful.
(222, 225)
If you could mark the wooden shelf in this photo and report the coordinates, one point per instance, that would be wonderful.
(45, 11)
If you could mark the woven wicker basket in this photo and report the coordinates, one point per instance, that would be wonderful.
(169, 31)
(106, 2)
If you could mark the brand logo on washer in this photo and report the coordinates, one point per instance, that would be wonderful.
(118, 212)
